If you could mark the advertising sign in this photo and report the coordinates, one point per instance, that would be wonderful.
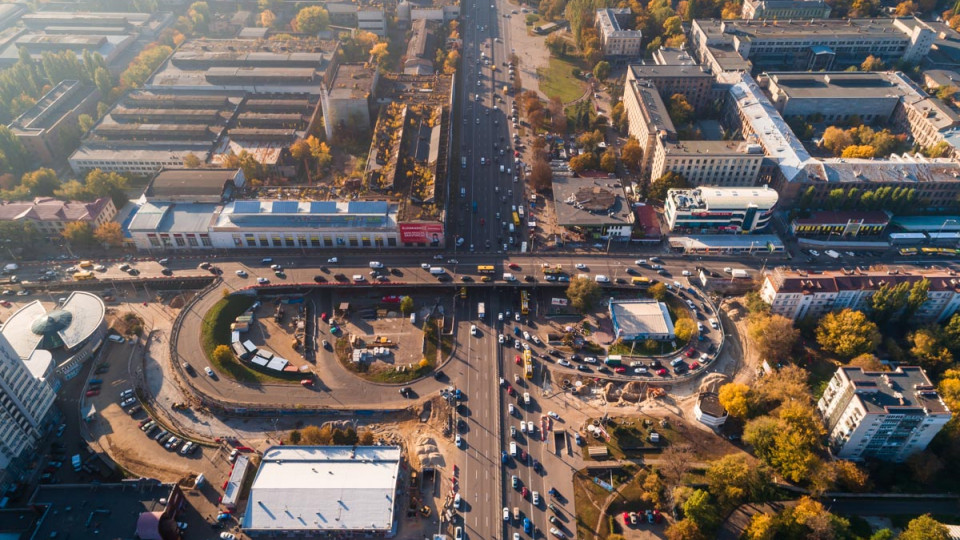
(558, 301)
(421, 233)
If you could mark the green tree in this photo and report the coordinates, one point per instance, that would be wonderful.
(732, 481)
(755, 304)
(143, 66)
(659, 292)
(670, 180)
(685, 329)
(701, 510)
(557, 45)
(951, 333)
(406, 305)
(583, 294)
(78, 233)
(680, 109)
(919, 293)
(774, 335)
(888, 300)
(222, 355)
(925, 528)
(602, 70)
(735, 399)
(103, 81)
(295, 437)
(18, 235)
(847, 333)
(41, 182)
(311, 20)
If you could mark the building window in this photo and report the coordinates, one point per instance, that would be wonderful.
(277, 242)
(264, 241)
(302, 240)
(237, 241)
(289, 240)
(205, 240)
(179, 240)
(192, 240)
(353, 241)
(154, 241)
(314, 241)
(251, 240)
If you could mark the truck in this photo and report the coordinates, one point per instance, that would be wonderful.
(76, 462)
(739, 273)
(481, 310)
(614, 360)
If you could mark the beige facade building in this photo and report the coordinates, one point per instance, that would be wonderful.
(615, 39)
(689, 80)
(709, 163)
(785, 9)
(648, 118)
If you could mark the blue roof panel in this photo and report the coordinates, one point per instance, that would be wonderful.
(285, 207)
(246, 207)
(323, 207)
(367, 207)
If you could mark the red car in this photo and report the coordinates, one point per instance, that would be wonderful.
(691, 353)
(621, 369)
(511, 391)
(514, 266)
(91, 393)
(307, 382)
(524, 491)
(694, 365)
(626, 518)
(324, 317)
(390, 300)
(662, 372)
(657, 517)
(4, 303)
(518, 361)
(483, 222)
(516, 154)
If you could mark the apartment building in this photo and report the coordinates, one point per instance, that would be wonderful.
(615, 38)
(785, 9)
(688, 80)
(39, 128)
(812, 44)
(647, 118)
(26, 408)
(881, 415)
(719, 209)
(799, 294)
(50, 216)
(709, 163)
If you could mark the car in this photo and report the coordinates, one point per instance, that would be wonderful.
(514, 481)
(814, 252)
(580, 266)
(227, 536)
(686, 273)
(241, 273)
(306, 382)
(501, 338)
(694, 365)
(506, 514)
(458, 533)
(523, 426)
(514, 266)
(620, 369)
(208, 371)
(91, 393)
(662, 372)
(262, 281)
(691, 353)
(527, 525)
(516, 345)
(526, 335)
(563, 363)
(459, 441)
(473, 330)
(536, 498)
(333, 260)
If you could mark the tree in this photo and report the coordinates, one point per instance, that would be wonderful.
(191, 161)
(867, 362)
(888, 300)
(311, 20)
(110, 234)
(380, 53)
(672, 26)
(632, 154)
(451, 61)
(872, 63)
(685, 329)
(556, 44)
(41, 182)
(847, 333)
(658, 291)
(143, 66)
(608, 161)
(602, 70)
(735, 399)
(267, 18)
(684, 529)
(924, 528)
(836, 140)
(590, 140)
(863, 151)
(366, 438)
(295, 437)
(85, 122)
(680, 109)
(222, 355)
(583, 294)
(583, 162)
(700, 509)
(786, 384)
(103, 80)
(774, 335)
(541, 175)
(947, 92)
(19, 234)
(919, 293)
(732, 481)
(762, 527)
(321, 153)
(906, 8)
(78, 233)
(929, 350)
(670, 180)
(406, 305)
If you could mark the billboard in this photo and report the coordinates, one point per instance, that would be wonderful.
(421, 233)
(558, 301)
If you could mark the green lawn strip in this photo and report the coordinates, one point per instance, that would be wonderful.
(216, 331)
(557, 80)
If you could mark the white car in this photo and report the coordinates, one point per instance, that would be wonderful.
(241, 273)
(536, 498)
(228, 536)
(563, 363)
(553, 415)
(581, 266)
(506, 514)
(473, 330)
(501, 338)
(458, 441)
(208, 371)
(516, 344)
(458, 533)
(815, 253)
(526, 398)
(333, 260)
(425, 266)
(262, 281)
(686, 273)
(511, 409)
(500, 316)
(523, 426)
(526, 346)
(526, 335)
(640, 262)
(516, 316)
(536, 340)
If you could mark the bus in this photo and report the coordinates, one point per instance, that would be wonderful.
(520, 211)
(548, 269)
(516, 220)
(524, 302)
(527, 364)
(85, 275)
(85, 264)
(908, 251)
(485, 269)
(641, 281)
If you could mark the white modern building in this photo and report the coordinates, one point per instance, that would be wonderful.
(881, 415)
(799, 294)
(615, 40)
(321, 491)
(719, 209)
(709, 411)
(641, 319)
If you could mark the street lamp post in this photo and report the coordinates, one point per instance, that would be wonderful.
(942, 225)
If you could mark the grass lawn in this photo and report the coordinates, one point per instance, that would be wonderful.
(628, 436)
(588, 497)
(216, 331)
(344, 354)
(557, 80)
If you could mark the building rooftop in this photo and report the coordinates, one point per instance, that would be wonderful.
(941, 77)
(786, 280)
(904, 168)
(324, 488)
(191, 182)
(710, 198)
(107, 45)
(174, 217)
(712, 148)
(709, 403)
(718, 242)
(807, 29)
(673, 56)
(655, 71)
(906, 390)
(254, 214)
(50, 209)
(841, 84)
(927, 223)
(50, 108)
(352, 81)
(33, 327)
(590, 201)
(656, 114)
(610, 26)
(641, 316)
(826, 217)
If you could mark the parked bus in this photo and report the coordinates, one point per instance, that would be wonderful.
(485, 269)
(524, 302)
(516, 220)
(527, 364)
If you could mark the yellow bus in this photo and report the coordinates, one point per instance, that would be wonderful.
(908, 251)
(524, 302)
(516, 219)
(641, 281)
(85, 275)
(547, 269)
(485, 269)
(86, 264)
(463, 292)
(527, 364)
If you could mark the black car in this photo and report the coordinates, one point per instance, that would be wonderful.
(167, 272)
(405, 391)
(397, 272)
(466, 279)
(528, 278)
(574, 357)
(319, 279)
(581, 367)
(633, 272)
(340, 277)
(604, 369)
(133, 272)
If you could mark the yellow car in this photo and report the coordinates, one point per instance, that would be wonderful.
(485, 279)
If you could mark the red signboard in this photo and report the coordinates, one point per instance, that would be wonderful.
(421, 233)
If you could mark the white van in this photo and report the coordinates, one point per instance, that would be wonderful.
(115, 338)
(376, 264)
(437, 270)
(600, 278)
(676, 361)
(513, 449)
(502, 169)
(509, 277)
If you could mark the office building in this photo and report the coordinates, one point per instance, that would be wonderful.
(881, 415)
(836, 96)
(615, 38)
(688, 80)
(407, 12)
(40, 127)
(785, 9)
(719, 209)
(799, 294)
(26, 412)
(842, 224)
(648, 118)
(672, 56)
(709, 163)
(324, 491)
(347, 97)
(50, 216)
(641, 319)
(812, 44)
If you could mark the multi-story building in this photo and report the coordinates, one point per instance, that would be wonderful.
(418, 60)
(672, 56)
(347, 96)
(836, 96)
(647, 117)
(928, 119)
(881, 415)
(812, 45)
(615, 38)
(719, 209)
(26, 409)
(194, 185)
(709, 163)
(690, 81)
(592, 205)
(50, 216)
(843, 224)
(785, 9)
(799, 294)
(40, 127)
